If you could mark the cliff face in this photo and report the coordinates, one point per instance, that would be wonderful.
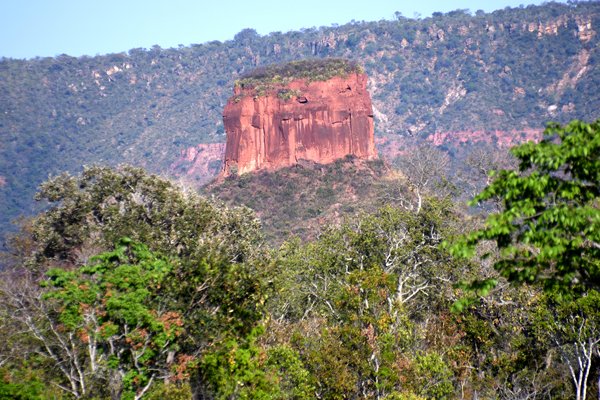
(320, 121)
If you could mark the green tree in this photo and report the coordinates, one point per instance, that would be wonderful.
(116, 309)
(372, 285)
(215, 283)
(91, 212)
(21, 385)
(99, 329)
(548, 231)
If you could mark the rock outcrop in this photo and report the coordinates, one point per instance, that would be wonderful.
(198, 164)
(274, 123)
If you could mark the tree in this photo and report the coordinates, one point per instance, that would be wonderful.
(91, 212)
(114, 308)
(425, 168)
(549, 229)
(246, 36)
(480, 164)
(214, 285)
(103, 326)
(367, 284)
(571, 326)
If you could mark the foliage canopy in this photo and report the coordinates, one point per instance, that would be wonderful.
(193, 284)
(116, 307)
(549, 229)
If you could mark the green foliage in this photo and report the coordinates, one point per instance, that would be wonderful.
(115, 305)
(361, 311)
(403, 396)
(102, 205)
(169, 391)
(206, 288)
(546, 235)
(265, 79)
(337, 359)
(232, 369)
(432, 377)
(293, 377)
(310, 69)
(21, 385)
(563, 320)
(240, 368)
(548, 231)
(287, 94)
(476, 288)
(569, 326)
(368, 282)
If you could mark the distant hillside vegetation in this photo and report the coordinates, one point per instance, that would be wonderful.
(507, 70)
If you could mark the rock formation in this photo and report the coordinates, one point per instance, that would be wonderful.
(298, 112)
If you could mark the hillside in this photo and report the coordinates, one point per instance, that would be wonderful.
(513, 69)
(299, 200)
(304, 199)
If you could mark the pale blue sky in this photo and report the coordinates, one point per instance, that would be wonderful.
(30, 28)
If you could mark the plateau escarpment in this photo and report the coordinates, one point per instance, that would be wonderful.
(316, 110)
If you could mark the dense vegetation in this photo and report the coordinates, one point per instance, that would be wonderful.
(130, 287)
(311, 70)
(549, 231)
(510, 69)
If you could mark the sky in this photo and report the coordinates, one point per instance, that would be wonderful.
(30, 28)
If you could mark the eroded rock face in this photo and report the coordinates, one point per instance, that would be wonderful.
(319, 121)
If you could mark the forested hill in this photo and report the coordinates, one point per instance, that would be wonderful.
(510, 69)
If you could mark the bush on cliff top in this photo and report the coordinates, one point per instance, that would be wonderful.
(311, 69)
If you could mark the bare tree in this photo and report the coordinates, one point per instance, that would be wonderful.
(578, 354)
(426, 167)
(479, 166)
(34, 330)
(572, 327)
(408, 261)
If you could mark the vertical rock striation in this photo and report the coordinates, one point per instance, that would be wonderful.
(273, 125)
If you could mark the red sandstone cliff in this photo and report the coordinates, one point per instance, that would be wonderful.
(319, 121)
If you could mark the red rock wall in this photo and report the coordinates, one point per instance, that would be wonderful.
(321, 121)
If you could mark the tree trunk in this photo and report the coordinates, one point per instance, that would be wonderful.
(115, 384)
(200, 389)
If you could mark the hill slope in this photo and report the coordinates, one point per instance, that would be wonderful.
(511, 69)
(299, 200)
